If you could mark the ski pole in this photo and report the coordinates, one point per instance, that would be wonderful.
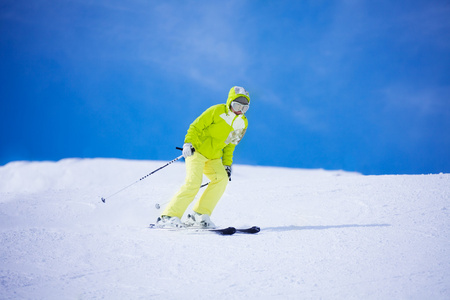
(157, 205)
(142, 178)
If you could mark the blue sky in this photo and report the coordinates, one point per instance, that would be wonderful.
(353, 85)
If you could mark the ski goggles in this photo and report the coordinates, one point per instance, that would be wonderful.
(240, 107)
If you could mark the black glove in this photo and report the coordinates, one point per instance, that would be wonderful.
(228, 169)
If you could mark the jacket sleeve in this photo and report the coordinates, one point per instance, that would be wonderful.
(227, 158)
(196, 128)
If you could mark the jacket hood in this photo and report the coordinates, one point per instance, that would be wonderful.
(236, 92)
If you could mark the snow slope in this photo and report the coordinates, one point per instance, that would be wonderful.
(325, 235)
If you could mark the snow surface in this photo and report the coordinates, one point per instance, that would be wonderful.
(324, 235)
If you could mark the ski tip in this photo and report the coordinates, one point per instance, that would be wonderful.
(256, 229)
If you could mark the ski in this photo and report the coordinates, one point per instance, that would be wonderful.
(229, 230)
(220, 231)
(251, 230)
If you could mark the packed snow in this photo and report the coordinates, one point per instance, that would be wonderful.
(324, 234)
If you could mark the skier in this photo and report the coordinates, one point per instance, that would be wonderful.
(208, 149)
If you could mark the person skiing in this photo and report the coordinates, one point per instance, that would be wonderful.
(208, 149)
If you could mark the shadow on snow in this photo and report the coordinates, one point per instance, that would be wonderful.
(292, 227)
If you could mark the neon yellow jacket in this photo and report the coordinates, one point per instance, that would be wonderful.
(217, 131)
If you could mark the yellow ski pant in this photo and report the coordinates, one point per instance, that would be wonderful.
(196, 166)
